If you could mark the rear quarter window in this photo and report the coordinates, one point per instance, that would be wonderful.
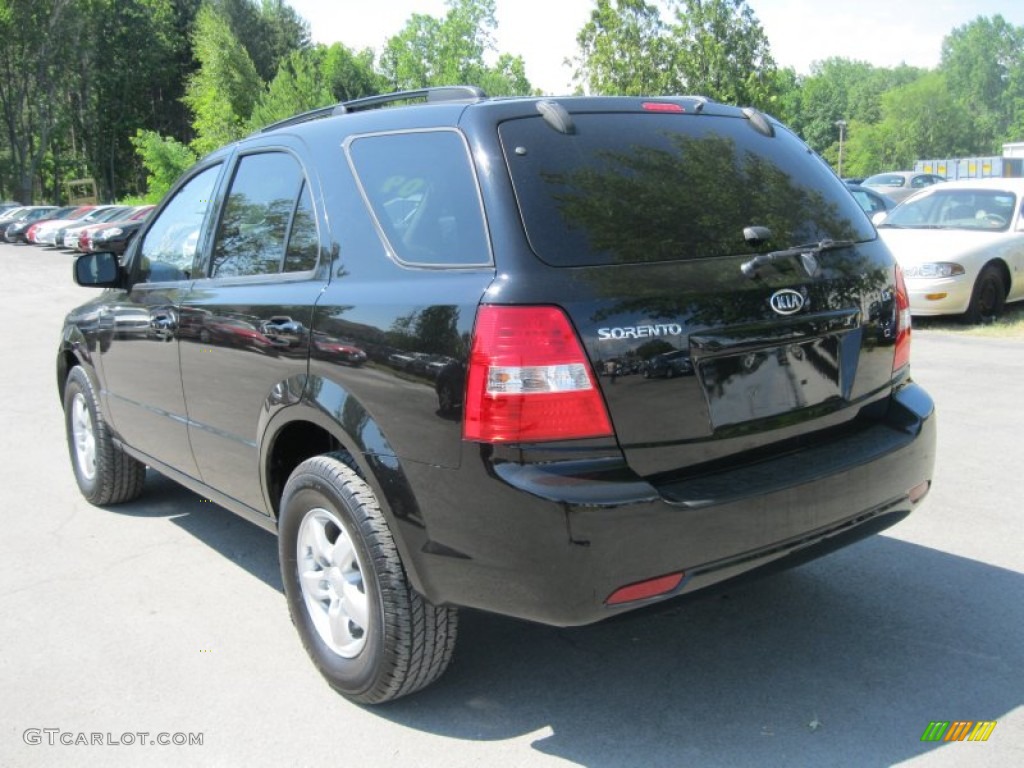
(628, 188)
(422, 192)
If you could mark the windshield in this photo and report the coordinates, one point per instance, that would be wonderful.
(986, 209)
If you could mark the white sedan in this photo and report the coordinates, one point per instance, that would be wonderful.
(961, 246)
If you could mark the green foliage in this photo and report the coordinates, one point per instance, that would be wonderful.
(714, 48)
(351, 75)
(722, 52)
(624, 49)
(430, 51)
(299, 86)
(269, 30)
(223, 92)
(919, 120)
(983, 62)
(164, 159)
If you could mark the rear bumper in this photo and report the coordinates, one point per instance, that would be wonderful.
(551, 542)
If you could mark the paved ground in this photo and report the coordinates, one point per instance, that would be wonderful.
(166, 616)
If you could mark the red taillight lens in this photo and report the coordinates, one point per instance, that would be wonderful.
(529, 379)
(902, 356)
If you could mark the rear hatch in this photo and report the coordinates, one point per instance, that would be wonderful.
(731, 295)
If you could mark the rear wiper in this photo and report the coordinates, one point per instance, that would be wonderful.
(806, 254)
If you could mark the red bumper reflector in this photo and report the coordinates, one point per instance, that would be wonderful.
(644, 589)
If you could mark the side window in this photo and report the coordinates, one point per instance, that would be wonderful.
(423, 194)
(170, 245)
(268, 224)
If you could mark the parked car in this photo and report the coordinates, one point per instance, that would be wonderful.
(67, 236)
(668, 365)
(23, 220)
(44, 232)
(113, 236)
(529, 241)
(8, 205)
(961, 246)
(871, 201)
(899, 185)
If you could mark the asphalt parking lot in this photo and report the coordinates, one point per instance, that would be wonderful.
(166, 617)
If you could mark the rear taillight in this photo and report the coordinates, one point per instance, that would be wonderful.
(902, 356)
(529, 379)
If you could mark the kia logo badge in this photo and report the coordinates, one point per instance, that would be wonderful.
(787, 301)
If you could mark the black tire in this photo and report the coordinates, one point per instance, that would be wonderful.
(104, 472)
(385, 640)
(988, 297)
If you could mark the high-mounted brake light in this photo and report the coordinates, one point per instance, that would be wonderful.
(529, 379)
(902, 355)
(662, 106)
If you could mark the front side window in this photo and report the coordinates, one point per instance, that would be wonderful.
(422, 191)
(268, 224)
(169, 248)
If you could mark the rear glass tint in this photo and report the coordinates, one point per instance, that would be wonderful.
(628, 188)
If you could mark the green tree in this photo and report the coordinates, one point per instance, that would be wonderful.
(164, 159)
(723, 52)
(224, 90)
(115, 86)
(351, 75)
(919, 120)
(33, 104)
(983, 63)
(429, 51)
(300, 85)
(623, 49)
(714, 48)
(269, 30)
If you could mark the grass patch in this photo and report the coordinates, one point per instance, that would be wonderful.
(1009, 326)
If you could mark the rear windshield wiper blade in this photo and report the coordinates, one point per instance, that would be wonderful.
(806, 254)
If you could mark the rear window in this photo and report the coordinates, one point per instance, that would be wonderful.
(628, 188)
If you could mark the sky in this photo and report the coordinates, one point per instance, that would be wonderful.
(885, 33)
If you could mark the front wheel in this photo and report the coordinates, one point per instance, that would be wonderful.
(988, 297)
(371, 635)
(105, 473)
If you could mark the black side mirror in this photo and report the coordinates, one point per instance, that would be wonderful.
(97, 270)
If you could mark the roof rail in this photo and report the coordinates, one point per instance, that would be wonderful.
(432, 95)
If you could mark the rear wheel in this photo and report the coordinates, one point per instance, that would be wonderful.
(371, 635)
(105, 473)
(988, 297)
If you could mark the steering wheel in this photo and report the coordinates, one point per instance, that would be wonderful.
(994, 219)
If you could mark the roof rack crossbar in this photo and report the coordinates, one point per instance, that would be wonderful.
(432, 95)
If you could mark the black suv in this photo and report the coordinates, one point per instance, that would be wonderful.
(379, 333)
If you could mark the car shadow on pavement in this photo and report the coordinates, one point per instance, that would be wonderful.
(844, 660)
(241, 542)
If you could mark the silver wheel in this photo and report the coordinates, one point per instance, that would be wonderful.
(83, 436)
(371, 634)
(104, 472)
(331, 580)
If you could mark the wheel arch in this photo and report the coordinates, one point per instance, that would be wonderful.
(328, 419)
(1004, 270)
